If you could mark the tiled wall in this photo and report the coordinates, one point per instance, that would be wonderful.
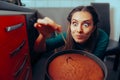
(55, 3)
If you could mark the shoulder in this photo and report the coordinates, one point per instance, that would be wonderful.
(103, 38)
(102, 35)
(102, 43)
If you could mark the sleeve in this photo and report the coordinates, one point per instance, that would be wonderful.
(102, 44)
(55, 42)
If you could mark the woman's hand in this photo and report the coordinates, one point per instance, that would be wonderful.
(46, 26)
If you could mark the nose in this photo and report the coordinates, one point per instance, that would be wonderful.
(80, 29)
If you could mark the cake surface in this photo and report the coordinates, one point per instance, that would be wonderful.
(74, 67)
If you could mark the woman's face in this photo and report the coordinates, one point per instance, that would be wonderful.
(81, 26)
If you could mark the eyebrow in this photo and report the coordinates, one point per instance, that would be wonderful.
(87, 21)
(82, 21)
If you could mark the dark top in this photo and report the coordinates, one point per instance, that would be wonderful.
(100, 48)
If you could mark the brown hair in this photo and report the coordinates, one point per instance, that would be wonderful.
(90, 43)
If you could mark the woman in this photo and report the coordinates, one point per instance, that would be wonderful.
(82, 33)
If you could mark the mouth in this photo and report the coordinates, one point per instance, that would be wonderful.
(80, 36)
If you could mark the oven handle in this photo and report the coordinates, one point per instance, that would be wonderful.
(14, 52)
(27, 74)
(14, 27)
(21, 67)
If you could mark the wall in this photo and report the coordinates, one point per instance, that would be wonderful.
(114, 10)
(114, 17)
(55, 3)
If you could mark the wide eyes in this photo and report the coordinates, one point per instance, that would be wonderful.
(74, 23)
(84, 24)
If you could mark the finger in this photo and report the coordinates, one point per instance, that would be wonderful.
(37, 25)
(51, 23)
(49, 20)
(59, 29)
(54, 26)
(42, 21)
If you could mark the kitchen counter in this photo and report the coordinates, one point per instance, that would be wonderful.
(5, 12)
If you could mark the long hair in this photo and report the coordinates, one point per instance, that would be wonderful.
(90, 43)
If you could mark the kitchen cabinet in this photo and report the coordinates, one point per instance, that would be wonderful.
(14, 48)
